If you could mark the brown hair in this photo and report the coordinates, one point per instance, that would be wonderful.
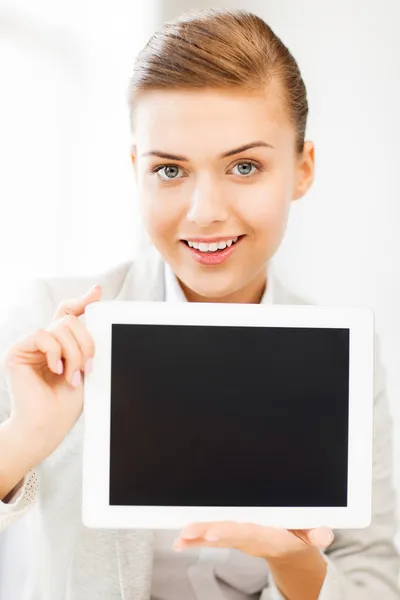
(225, 49)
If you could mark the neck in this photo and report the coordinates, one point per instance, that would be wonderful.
(250, 294)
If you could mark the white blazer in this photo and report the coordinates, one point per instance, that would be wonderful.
(75, 563)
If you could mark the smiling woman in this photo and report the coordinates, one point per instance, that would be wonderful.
(199, 102)
(219, 155)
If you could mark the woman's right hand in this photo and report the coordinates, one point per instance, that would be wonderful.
(44, 374)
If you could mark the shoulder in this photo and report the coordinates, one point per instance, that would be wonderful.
(140, 278)
(111, 279)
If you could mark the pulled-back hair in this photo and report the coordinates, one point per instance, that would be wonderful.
(219, 49)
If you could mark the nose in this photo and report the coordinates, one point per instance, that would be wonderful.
(207, 205)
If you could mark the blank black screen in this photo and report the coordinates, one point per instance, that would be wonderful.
(229, 416)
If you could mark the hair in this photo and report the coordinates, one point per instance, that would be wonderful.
(220, 49)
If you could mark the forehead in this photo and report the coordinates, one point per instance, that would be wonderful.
(210, 120)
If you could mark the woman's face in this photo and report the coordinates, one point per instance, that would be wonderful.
(216, 172)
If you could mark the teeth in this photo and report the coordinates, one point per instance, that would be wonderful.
(214, 246)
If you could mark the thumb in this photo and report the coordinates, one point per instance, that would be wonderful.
(321, 537)
(76, 306)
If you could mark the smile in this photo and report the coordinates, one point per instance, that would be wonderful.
(212, 252)
(213, 246)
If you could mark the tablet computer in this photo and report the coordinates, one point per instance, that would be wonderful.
(211, 412)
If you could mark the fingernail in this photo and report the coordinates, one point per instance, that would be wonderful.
(322, 537)
(211, 537)
(76, 379)
(93, 289)
(89, 366)
(327, 538)
(59, 367)
(177, 546)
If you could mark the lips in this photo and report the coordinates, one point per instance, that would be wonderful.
(212, 252)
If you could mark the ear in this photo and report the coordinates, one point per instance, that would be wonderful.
(305, 171)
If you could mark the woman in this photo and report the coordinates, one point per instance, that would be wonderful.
(218, 155)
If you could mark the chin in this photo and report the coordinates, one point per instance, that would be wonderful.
(212, 288)
(214, 295)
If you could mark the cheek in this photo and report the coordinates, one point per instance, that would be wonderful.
(161, 212)
(266, 210)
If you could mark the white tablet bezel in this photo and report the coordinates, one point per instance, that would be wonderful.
(99, 318)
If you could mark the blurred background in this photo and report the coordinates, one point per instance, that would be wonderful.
(68, 203)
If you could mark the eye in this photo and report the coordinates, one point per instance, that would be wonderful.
(170, 172)
(246, 166)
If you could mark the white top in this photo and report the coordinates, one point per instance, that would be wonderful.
(204, 573)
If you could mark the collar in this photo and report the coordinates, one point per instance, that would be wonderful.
(174, 292)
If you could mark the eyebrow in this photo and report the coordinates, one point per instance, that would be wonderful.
(224, 155)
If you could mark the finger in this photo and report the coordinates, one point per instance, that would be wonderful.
(71, 353)
(226, 534)
(321, 537)
(213, 531)
(76, 306)
(40, 341)
(83, 338)
(197, 530)
(303, 535)
(194, 535)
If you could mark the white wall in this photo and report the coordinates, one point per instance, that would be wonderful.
(67, 195)
(342, 246)
(66, 183)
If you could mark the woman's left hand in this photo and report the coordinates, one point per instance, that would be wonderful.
(265, 542)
